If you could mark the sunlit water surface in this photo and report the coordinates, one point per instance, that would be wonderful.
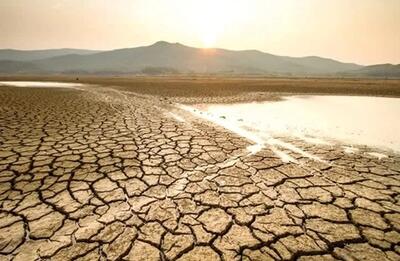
(41, 84)
(372, 121)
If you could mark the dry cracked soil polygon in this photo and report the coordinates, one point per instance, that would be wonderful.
(98, 174)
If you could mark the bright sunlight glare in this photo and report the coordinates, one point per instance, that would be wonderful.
(209, 40)
(211, 18)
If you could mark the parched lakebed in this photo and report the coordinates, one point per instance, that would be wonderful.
(96, 173)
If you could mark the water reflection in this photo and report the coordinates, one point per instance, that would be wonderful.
(41, 84)
(372, 121)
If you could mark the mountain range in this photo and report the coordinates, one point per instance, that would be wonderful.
(166, 58)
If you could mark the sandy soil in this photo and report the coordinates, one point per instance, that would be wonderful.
(102, 173)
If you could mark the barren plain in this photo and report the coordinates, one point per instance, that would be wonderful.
(114, 170)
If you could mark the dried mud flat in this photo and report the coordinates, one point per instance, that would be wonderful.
(102, 174)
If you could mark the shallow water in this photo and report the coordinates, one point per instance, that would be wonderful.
(371, 121)
(41, 84)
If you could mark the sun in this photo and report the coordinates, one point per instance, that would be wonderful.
(208, 30)
(211, 23)
(209, 40)
(208, 21)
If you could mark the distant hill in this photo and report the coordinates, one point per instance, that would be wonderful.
(163, 58)
(10, 67)
(378, 70)
(22, 55)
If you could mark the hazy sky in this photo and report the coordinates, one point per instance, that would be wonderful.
(362, 31)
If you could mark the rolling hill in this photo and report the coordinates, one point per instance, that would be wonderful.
(163, 57)
(24, 55)
(378, 70)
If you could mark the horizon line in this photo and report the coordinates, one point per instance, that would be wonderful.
(208, 48)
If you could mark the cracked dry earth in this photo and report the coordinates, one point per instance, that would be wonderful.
(98, 174)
